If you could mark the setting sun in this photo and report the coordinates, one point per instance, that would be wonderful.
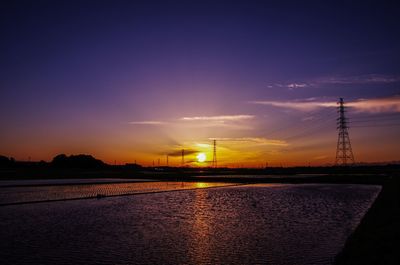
(201, 157)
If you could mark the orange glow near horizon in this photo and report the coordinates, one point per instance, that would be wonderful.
(233, 154)
(150, 143)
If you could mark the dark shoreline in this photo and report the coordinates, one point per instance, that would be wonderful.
(376, 240)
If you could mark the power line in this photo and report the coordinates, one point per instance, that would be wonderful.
(379, 116)
(311, 129)
(375, 120)
(317, 116)
(376, 125)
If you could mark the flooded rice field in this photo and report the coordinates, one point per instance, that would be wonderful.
(180, 223)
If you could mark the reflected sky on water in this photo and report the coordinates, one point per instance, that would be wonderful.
(248, 224)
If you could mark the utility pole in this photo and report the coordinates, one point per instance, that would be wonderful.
(344, 152)
(214, 162)
(183, 157)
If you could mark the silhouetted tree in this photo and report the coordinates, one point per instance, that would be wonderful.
(6, 162)
(77, 161)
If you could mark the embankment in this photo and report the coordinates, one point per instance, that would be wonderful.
(377, 239)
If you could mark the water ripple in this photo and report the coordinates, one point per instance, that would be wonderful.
(252, 224)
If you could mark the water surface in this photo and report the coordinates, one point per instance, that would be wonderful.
(249, 224)
(66, 181)
(48, 192)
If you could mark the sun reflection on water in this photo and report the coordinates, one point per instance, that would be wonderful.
(202, 227)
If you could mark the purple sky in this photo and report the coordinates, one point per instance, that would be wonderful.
(126, 80)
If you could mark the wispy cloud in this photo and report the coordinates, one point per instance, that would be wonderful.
(290, 86)
(296, 85)
(227, 121)
(378, 105)
(359, 79)
(219, 118)
(176, 153)
(233, 122)
(320, 157)
(308, 118)
(297, 105)
(366, 79)
(147, 122)
(256, 140)
(389, 104)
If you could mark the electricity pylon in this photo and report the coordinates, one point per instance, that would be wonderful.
(344, 153)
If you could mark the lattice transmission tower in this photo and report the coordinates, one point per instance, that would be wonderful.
(214, 161)
(344, 152)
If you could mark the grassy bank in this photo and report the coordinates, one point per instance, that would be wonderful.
(377, 239)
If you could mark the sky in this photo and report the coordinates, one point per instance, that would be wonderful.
(133, 81)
